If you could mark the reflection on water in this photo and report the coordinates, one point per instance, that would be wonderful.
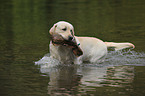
(24, 39)
(113, 74)
(70, 79)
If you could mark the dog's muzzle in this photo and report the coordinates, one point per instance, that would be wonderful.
(70, 38)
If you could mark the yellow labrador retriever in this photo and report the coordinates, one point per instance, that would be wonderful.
(93, 50)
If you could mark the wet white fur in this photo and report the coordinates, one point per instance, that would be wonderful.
(94, 50)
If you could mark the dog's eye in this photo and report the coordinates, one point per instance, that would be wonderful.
(64, 29)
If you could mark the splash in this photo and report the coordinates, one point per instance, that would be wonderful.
(47, 61)
(125, 57)
(114, 58)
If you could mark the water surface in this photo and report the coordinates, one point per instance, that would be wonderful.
(24, 40)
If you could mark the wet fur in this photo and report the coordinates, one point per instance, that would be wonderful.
(94, 50)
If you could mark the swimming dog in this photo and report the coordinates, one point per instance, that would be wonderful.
(68, 48)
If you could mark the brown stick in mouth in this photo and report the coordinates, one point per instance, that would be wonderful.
(59, 40)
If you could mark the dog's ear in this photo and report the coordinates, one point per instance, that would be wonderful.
(52, 30)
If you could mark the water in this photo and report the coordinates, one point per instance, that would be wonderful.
(24, 40)
(116, 75)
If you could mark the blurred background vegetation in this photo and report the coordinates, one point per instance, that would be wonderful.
(24, 24)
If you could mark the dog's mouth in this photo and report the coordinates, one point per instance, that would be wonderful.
(59, 40)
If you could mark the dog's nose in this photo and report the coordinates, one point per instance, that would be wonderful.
(70, 38)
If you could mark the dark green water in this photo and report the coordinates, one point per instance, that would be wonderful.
(24, 39)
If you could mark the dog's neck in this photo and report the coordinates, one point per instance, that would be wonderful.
(62, 53)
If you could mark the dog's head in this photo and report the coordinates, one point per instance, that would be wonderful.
(64, 29)
(63, 34)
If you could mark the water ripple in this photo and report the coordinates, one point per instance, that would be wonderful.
(114, 58)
